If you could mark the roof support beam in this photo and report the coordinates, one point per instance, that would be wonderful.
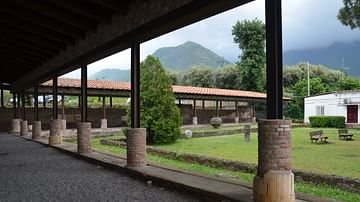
(135, 85)
(55, 100)
(84, 96)
(139, 24)
(274, 64)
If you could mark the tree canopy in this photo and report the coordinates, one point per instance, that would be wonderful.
(349, 15)
(250, 36)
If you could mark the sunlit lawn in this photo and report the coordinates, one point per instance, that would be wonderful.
(338, 157)
(318, 190)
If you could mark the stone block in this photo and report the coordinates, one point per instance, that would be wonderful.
(24, 128)
(36, 132)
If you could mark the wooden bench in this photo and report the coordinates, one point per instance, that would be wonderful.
(318, 135)
(344, 135)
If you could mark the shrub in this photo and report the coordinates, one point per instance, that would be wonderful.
(327, 121)
(158, 111)
(216, 122)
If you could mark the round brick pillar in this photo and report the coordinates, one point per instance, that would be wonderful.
(236, 120)
(24, 128)
(103, 123)
(247, 130)
(274, 181)
(55, 132)
(15, 126)
(195, 120)
(36, 131)
(136, 147)
(84, 137)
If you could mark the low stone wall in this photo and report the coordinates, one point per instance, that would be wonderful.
(218, 133)
(344, 183)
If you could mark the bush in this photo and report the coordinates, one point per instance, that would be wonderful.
(158, 111)
(216, 122)
(327, 121)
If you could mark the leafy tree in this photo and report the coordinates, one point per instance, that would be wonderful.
(349, 15)
(350, 83)
(200, 76)
(250, 36)
(175, 76)
(226, 77)
(158, 111)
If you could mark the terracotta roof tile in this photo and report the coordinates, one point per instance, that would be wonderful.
(116, 85)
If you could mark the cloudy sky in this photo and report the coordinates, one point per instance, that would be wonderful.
(306, 24)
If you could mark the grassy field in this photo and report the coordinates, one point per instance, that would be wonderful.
(338, 157)
(317, 190)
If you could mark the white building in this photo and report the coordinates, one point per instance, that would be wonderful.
(343, 103)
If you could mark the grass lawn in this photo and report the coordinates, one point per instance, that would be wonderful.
(317, 190)
(338, 157)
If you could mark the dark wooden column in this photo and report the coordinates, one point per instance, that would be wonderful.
(23, 105)
(103, 105)
(36, 103)
(194, 109)
(110, 104)
(2, 94)
(44, 101)
(18, 104)
(236, 109)
(135, 85)
(84, 93)
(203, 104)
(274, 59)
(63, 107)
(217, 108)
(55, 98)
(14, 106)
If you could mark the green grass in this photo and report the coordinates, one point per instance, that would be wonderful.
(309, 188)
(210, 128)
(338, 158)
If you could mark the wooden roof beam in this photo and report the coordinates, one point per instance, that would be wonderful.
(26, 51)
(43, 20)
(30, 45)
(86, 9)
(58, 13)
(114, 5)
(37, 29)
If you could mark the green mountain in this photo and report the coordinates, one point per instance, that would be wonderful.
(185, 55)
(331, 56)
(112, 74)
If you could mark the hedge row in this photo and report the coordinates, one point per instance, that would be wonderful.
(327, 121)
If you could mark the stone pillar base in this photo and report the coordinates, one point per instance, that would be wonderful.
(55, 132)
(63, 127)
(254, 119)
(84, 137)
(103, 123)
(236, 120)
(136, 147)
(36, 132)
(274, 181)
(275, 186)
(14, 127)
(195, 120)
(24, 128)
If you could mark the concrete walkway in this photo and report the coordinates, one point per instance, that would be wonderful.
(30, 171)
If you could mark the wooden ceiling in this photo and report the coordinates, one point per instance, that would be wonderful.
(35, 31)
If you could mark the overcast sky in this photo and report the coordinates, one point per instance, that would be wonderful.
(306, 24)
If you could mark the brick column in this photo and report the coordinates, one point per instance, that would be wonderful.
(103, 123)
(136, 147)
(15, 126)
(274, 181)
(24, 128)
(36, 130)
(55, 132)
(236, 120)
(84, 137)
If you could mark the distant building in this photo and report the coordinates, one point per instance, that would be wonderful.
(345, 103)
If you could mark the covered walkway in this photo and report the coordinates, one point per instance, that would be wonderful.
(30, 171)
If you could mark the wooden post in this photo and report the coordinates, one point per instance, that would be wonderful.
(104, 109)
(111, 104)
(62, 107)
(55, 100)
(2, 95)
(217, 108)
(44, 101)
(84, 93)
(203, 104)
(36, 103)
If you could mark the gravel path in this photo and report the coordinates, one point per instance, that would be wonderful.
(31, 172)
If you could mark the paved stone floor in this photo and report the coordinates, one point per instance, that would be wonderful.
(32, 172)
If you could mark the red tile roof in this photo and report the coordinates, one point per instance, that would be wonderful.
(116, 85)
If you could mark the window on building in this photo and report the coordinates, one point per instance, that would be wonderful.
(320, 110)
